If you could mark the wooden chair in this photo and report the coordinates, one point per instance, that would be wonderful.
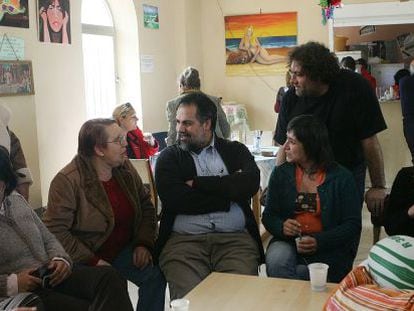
(143, 167)
(257, 212)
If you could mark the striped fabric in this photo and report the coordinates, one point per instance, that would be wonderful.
(359, 292)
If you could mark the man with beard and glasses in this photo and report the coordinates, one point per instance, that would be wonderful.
(205, 184)
(348, 106)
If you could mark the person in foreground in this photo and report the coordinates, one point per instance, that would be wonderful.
(399, 215)
(347, 105)
(102, 214)
(189, 81)
(139, 146)
(314, 200)
(27, 245)
(205, 184)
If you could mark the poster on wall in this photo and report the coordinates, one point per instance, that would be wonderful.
(54, 21)
(16, 78)
(151, 18)
(258, 44)
(14, 13)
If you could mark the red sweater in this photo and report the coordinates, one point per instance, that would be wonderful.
(137, 147)
(123, 215)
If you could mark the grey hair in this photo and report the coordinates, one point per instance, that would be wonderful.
(189, 79)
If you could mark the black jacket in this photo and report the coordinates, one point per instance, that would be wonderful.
(209, 193)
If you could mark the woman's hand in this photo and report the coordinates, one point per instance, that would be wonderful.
(291, 228)
(141, 257)
(61, 271)
(307, 245)
(43, 14)
(27, 282)
(65, 20)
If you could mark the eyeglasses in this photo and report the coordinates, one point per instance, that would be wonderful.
(121, 140)
(296, 74)
(125, 109)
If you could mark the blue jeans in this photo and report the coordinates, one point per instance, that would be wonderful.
(282, 261)
(150, 280)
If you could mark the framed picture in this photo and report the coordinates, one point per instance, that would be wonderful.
(16, 78)
(14, 13)
(151, 17)
(259, 44)
(54, 21)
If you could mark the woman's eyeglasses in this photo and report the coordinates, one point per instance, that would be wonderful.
(125, 109)
(121, 140)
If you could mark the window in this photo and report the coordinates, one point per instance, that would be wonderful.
(98, 37)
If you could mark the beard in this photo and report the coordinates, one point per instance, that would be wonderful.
(190, 144)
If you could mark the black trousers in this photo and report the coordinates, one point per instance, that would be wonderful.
(408, 126)
(88, 289)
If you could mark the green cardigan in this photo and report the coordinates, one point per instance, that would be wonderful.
(340, 206)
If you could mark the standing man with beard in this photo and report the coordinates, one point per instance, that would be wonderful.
(346, 103)
(205, 184)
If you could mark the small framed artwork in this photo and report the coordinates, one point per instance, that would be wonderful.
(151, 17)
(14, 13)
(16, 78)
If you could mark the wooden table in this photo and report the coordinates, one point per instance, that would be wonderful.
(222, 292)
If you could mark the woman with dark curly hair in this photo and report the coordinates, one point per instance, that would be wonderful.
(54, 21)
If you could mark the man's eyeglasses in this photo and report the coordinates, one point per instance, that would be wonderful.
(296, 73)
(121, 140)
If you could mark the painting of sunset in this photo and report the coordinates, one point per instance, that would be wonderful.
(259, 44)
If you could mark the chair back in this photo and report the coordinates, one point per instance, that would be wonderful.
(143, 167)
(160, 137)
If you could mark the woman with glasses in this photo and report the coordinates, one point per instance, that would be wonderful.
(139, 146)
(26, 245)
(102, 214)
(313, 208)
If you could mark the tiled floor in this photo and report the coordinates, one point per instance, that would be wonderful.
(364, 247)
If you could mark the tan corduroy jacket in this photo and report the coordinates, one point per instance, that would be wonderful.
(80, 215)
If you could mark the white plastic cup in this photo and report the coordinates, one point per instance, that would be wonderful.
(318, 274)
(180, 304)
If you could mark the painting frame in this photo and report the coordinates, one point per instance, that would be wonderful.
(259, 44)
(16, 78)
(151, 17)
(15, 14)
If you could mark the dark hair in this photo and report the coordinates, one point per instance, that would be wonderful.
(313, 135)
(401, 74)
(348, 62)
(206, 109)
(91, 134)
(190, 78)
(7, 174)
(317, 62)
(362, 62)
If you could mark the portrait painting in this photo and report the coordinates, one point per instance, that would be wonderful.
(54, 21)
(14, 13)
(259, 44)
(16, 78)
